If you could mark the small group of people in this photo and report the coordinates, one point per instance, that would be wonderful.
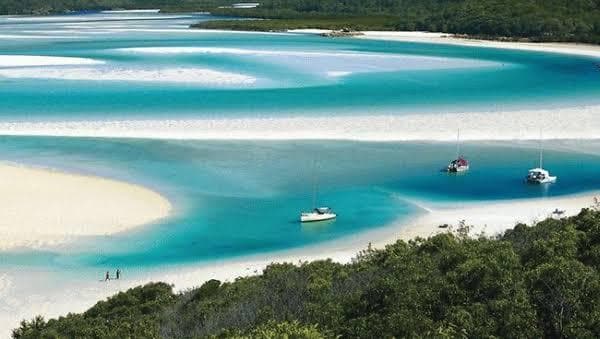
(117, 275)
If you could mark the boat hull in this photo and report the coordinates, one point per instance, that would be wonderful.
(315, 217)
(549, 180)
(457, 169)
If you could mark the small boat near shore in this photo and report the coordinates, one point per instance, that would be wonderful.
(460, 164)
(317, 213)
(539, 175)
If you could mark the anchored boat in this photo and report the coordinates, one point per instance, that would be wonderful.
(539, 175)
(318, 213)
(460, 164)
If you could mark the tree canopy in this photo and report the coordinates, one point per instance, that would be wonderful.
(538, 20)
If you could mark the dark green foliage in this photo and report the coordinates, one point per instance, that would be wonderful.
(534, 20)
(537, 20)
(379, 23)
(532, 282)
(131, 314)
(284, 330)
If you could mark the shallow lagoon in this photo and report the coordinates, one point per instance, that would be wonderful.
(239, 198)
(295, 74)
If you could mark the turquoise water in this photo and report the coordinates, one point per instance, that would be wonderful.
(241, 198)
(238, 198)
(287, 84)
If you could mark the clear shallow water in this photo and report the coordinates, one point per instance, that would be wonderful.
(241, 198)
(288, 82)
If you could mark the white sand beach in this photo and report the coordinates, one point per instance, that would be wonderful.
(445, 38)
(42, 208)
(496, 217)
(29, 36)
(557, 123)
(39, 60)
(190, 75)
(131, 11)
(448, 38)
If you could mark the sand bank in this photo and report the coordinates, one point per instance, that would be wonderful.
(451, 39)
(42, 208)
(38, 60)
(131, 11)
(280, 53)
(21, 37)
(444, 38)
(320, 62)
(492, 218)
(174, 75)
(95, 17)
(558, 123)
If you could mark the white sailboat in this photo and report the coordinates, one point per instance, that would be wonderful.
(539, 175)
(460, 164)
(317, 213)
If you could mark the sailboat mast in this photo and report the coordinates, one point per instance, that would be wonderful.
(315, 185)
(458, 144)
(541, 151)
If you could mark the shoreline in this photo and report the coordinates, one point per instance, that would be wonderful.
(488, 218)
(58, 300)
(44, 208)
(571, 48)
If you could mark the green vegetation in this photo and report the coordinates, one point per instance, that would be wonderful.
(531, 282)
(132, 313)
(536, 20)
(378, 23)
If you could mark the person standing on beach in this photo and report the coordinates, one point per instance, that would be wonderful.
(118, 274)
(107, 276)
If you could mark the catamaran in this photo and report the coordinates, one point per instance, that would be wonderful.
(317, 213)
(460, 164)
(539, 175)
